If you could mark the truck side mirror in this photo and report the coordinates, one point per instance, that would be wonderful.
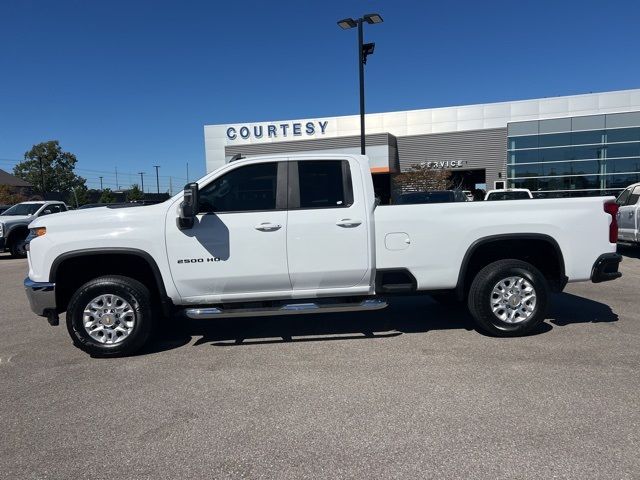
(189, 207)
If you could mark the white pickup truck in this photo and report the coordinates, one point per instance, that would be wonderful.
(629, 215)
(304, 234)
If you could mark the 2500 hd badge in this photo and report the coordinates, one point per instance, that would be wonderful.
(200, 260)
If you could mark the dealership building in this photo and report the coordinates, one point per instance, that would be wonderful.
(579, 145)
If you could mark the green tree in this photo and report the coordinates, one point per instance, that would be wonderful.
(107, 196)
(49, 169)
(135, 193)
(9, 196)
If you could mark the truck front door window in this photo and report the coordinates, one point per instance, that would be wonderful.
(248, 188)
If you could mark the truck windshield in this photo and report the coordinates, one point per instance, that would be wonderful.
(23, 209)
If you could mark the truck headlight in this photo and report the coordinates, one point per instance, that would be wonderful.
(39, 231)
(1, 230)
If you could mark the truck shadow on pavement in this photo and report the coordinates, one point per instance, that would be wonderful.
(405, 315)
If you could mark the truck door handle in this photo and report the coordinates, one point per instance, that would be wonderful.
(268, 227)
(348, 223)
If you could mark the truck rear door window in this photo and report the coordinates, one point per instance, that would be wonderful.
(324, 184)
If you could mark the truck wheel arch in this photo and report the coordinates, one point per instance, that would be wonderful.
(103, 254)
(469, 266)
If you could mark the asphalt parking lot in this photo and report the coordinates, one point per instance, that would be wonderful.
(409, 392)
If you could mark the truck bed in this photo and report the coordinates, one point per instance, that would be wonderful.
(431, 240)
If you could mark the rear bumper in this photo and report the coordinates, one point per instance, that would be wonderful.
(42, 296)
(606, 268)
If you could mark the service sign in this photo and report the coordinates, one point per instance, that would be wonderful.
(443, 164)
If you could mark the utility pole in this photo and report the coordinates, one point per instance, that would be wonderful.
(157, 178)
(101, 183)
(170, 187)
(142, 180)
(187, 172)
(117, 185)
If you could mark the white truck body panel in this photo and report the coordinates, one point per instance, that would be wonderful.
(318, 252)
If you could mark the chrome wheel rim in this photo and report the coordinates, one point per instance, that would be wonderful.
(108, 319)
(513, 299)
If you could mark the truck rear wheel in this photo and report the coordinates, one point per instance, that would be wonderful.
(110, 316)
(508, 298)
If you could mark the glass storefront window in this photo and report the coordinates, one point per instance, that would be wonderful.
(530, 141)
(555, 169)
(623, 165)
(523, 156)
(623, 135)
(622, 181)
(588, 137)
(623, 150)
(555, 154)
(584, 153)
(581, 163)
(555, 140)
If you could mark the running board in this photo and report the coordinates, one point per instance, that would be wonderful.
(286, 309)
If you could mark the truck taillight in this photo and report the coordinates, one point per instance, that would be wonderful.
(612, 209)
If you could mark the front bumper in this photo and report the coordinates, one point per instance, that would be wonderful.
(3, 241)
(42, 297)
(606, 268)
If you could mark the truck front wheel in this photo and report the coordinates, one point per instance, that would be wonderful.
(110, 316)
(508, 298)
(17, 243)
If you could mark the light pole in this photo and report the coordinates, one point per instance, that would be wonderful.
(157, 178)
(101, 183)
(364, 50)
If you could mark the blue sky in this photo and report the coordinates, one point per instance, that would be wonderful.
(130, 84)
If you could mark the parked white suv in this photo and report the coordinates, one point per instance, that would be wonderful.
(14, 223)
(298, 234)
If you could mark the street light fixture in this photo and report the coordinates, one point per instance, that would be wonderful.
(364, 50)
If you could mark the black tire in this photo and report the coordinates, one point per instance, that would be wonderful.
(16, 245)
(134, 292)
(480, 298)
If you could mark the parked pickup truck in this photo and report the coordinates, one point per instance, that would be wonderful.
(14, 223)
(304, 234)
(629, 215)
